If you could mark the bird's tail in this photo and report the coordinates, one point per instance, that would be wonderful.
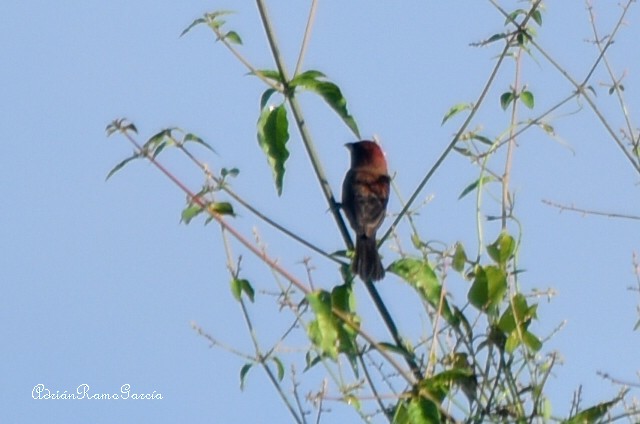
(366, 261)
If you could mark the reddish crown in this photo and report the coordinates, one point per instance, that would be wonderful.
(367, 153)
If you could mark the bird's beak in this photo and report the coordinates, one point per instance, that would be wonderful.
(349, 146)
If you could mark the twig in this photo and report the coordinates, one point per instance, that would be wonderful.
(256, 212)
(456, 137)
(589, 211)
(307, 36)
(273, 264)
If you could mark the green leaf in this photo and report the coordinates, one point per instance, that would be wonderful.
(439, 386)
(158, 142)
(422, 411)
(160, 148)
(194, 138)
(459, 258)
(239, 286)
(311, 359)
(455, 110)
(593, 414)
(522, 38)
(120, 125)
(515, 321)
(416, 410)
(211, 19)
(531, 341)
(270, 74)
(420, 276)
(352, 401)
(547, 128)
(221, 208)
(273, 134)
(464, 151)
(307, 77)
(280, 367)
(506, 99)
(193, 24)
(488, 288)
(512, 343)
(482, 139)
(527, 99)
(502, 249)
(536, 15)
(322, 331)
(495, 37)
(330, 92)
(233, 172)
(266, 96)
(474, 185)
(517, 314)
(243, 373)
(513, 15)
(121, 165)
(191, 211)
(343, 299)
(233, 37)
(330, 333)
(393, 348)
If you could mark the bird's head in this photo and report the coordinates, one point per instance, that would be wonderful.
(367, 153)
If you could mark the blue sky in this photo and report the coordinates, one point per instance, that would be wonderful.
(101, 281)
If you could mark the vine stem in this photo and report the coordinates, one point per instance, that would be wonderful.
(506, 176)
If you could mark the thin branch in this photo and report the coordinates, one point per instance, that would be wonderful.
(261, 359)
(215, 342)
(252, 69)
(256, 212)
(581, 87)
(589, 211)
(506, 176)
(217, 217)
(456, 137)
(616, 84)
(307, 36)
(374, 390)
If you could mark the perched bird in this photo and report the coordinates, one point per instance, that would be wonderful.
(365, 193)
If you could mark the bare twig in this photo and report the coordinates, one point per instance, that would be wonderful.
(573, 208)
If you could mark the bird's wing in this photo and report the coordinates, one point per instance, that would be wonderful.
(370, 197)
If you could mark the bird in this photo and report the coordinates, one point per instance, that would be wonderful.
(365, 194)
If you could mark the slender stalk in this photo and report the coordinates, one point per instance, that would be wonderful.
(589, 211)
(615, 83)
(262, 361)
(259, 357)
(506, 176)
(307, 36)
